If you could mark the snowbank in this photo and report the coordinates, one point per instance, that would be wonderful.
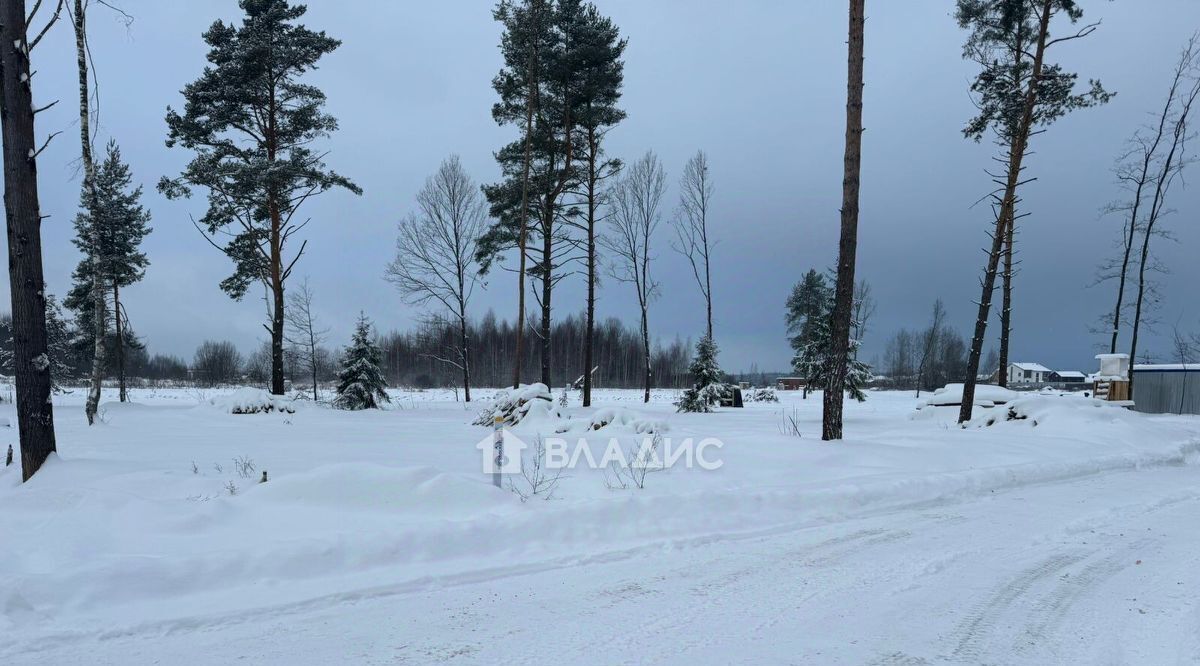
(248, 400)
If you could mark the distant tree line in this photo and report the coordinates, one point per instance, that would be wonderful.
(412, 358)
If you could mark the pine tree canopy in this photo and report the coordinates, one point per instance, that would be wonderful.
(252, 125)
(570, 55)
(1004, 35)
(360, 383)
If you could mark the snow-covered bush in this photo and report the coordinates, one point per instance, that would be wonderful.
(516, 405)
(247, 400)
(761, 395)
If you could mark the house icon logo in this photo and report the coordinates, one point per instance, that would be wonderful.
(501, 459)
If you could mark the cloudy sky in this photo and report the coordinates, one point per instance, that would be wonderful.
(758, 84)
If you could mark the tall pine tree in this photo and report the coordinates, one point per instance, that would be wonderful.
(544, 164)
(360, 383)
(601, 74)
(1017, 92)
(109, 232)
(253, 124)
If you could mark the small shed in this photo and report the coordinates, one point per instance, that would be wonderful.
(1171, 388)
(789, 383)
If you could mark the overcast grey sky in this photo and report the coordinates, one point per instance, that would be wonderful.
(758, 84)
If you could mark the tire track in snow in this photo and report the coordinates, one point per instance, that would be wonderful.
(981, 622)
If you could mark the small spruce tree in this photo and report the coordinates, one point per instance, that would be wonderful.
(707, 388)
(360, 383)
(814, 359)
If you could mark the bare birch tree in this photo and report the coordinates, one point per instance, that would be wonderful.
(930, 341)
(99, 283)
(435, 253)
(1167, 171)
(691, 227)
(303, 334)
(1135, 172)
(636, 198)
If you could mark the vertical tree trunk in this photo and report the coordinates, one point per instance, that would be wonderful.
(646, 349)
(547, 287)
(464, 341)
(99, 317)
(831, 422)
(1006, 299)
(35, 413)
(531, 98)
(590, 324)
(1005, 218)
(120, 332)
(277, 306)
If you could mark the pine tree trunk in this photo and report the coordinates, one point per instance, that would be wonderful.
(277, 307)
(531, 98)
(547, 289)
(1005, 218)
(35, 413)
(590, 324)
(120, 331)
(1006, 303)
(99, 317)
(831, 422)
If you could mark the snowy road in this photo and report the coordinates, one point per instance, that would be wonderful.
(1099, 570)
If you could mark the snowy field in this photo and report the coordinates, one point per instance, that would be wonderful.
(1068, 535)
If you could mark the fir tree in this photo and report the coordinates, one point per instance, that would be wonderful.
(112, 226)
(806, 308)
(814, 359)
(252, 124)
(360, 383)
(707, 388)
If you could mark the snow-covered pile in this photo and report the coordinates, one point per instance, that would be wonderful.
(532, 402)
(625, 418)
(248, 400)
(986, 395)
(1063, 412)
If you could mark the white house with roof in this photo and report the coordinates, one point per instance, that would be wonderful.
(1028, 373)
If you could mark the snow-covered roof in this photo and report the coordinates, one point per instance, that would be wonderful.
(1169, 367)
(1034, 367)
(1069, 373)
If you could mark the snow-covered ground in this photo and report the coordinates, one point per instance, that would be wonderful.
(1063, 532)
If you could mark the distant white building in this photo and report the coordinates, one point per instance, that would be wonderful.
(1028, 373)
